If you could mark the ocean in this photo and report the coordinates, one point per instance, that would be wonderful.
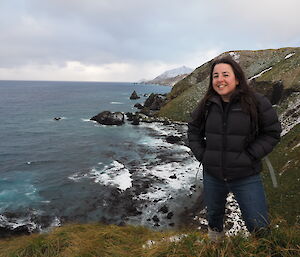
(75, 170)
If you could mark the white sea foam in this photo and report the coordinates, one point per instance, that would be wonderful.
(14, 223)
(114, 174)
(116, 103)
(160, 129)
(87, 120)
(174, 177)
(46, 201)
(56, 222)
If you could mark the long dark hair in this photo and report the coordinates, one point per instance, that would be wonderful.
(243, 91)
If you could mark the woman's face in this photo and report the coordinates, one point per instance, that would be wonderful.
(224, 81)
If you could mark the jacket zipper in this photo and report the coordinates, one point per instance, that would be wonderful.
(224, 126)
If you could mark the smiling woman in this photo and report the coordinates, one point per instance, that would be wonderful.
(224, 81)
(230, 132)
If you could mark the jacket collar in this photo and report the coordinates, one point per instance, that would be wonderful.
(218, 100)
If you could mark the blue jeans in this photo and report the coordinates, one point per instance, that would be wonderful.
(248, 192)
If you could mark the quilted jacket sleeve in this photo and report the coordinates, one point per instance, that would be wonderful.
(196, 137)
(269, 130)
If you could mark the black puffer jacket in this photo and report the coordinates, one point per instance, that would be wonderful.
(226, 146)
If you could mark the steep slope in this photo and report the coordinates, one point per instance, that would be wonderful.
(283, 200)
(274, 72)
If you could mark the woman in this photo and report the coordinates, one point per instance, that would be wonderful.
(231, 130)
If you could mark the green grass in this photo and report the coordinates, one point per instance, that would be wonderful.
(108, 240)
(284, 200)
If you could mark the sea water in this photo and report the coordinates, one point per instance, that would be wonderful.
(42, 159)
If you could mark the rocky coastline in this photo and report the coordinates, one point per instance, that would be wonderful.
(147, 112)
(164, 212)
(163, 193)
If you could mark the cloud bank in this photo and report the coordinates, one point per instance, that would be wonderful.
(117, 40)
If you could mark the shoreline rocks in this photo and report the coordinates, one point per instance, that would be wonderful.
(155, 101)
(146, 112)
(109, 118)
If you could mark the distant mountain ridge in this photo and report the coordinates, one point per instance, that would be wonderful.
(170, 77)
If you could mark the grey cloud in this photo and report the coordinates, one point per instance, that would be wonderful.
(105, 31)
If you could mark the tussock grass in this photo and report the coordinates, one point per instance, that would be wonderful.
(109, 240)
(284, 200)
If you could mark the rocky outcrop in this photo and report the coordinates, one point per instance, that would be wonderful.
(134, 118)
(18, 224)
(134, 96)
(147, 112)
(109, 118)
(173, 139)
(155, 101)
(138, 106)
(274, 91)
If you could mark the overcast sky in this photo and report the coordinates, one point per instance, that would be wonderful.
(128, 40)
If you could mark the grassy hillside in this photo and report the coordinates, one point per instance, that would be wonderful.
(284, 200)
(186, 93)
(92, 240)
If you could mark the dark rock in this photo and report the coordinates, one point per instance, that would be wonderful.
(133, 117)
(10, 224)
(139, 106)
(273, 90)
(173, 139)
(155, 218)
(134, 96)
(109, 118)
(19, 231)
(135, 120)
(164, 209)
(149, 100)
(146, 111)
(193, 188)
(155, 101)
(173, 176)
(170, 215)
(129, 116)
(167, 122)
(122, 224)
(172, 224)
